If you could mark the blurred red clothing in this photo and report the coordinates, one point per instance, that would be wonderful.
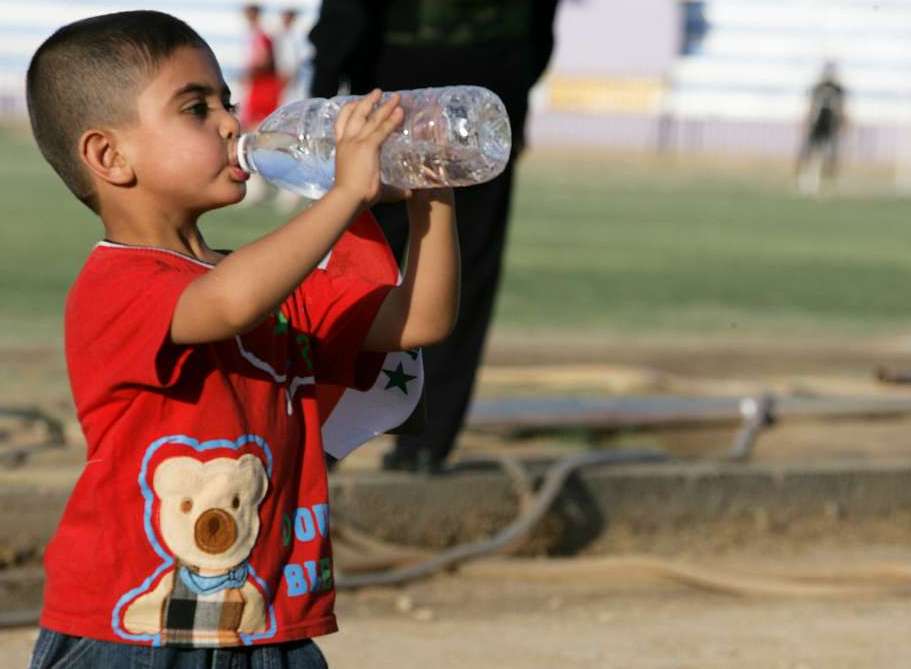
(264, 85)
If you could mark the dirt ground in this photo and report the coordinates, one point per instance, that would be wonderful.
(470, 620)
(508, 618)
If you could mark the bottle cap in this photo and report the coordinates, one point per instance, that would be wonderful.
(241, 154)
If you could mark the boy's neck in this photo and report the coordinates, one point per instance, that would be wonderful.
(182, 236)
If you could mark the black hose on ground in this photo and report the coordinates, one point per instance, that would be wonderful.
(550, 488)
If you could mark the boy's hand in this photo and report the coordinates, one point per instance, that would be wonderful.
(359, 132)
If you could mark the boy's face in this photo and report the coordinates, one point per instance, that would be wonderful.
(182, 147)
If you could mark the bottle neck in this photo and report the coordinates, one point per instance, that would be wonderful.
(242, 159)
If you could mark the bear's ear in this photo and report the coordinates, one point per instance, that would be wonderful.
(177, 476)
(252, 477)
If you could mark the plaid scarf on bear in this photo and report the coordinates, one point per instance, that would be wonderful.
(203, 611)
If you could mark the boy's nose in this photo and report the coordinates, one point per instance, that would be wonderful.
(230, 127)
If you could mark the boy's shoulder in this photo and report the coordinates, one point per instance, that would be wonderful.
(123, 265)
(116, 276)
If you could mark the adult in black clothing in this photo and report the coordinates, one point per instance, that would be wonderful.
(818, 157)
(503, 45)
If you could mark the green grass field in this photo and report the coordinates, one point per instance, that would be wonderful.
(597, 245)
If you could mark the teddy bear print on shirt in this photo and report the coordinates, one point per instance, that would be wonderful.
(209, 520)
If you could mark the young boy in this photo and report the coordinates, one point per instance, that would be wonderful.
(197, 534)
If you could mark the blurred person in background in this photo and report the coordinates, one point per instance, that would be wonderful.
(293, 57)
(502, 45)
(817, 161)
(294, 64)
(262, 89)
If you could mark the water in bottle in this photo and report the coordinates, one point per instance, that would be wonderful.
(453, 136)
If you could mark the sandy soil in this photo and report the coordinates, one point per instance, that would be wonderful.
(475, 621)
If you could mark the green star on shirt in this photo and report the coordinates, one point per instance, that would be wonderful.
(398, 378)
(281, 322)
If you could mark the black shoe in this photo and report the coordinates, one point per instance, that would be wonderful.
(421, 461)
(396, 461)
(427, 463)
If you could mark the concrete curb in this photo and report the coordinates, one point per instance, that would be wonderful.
(675, 498)
(632, 500)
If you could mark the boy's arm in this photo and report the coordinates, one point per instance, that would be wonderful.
(422, 309)
(250, 283)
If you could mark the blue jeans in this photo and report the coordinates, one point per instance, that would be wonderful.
(60, 651)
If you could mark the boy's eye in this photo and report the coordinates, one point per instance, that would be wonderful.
(200, 109)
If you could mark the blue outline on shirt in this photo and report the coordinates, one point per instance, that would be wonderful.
(167, 559)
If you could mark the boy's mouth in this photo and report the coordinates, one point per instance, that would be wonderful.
(238, 174)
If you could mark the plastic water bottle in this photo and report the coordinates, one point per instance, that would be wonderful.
(453, 136)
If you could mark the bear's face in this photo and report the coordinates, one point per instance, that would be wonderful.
(209, 514)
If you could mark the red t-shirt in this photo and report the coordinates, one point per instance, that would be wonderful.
(201, 516)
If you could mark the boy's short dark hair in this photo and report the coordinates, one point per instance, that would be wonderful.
(88, 74)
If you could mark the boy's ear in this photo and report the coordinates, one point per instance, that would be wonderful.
(98, 150)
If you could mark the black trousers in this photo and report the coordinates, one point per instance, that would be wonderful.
(450, 368)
